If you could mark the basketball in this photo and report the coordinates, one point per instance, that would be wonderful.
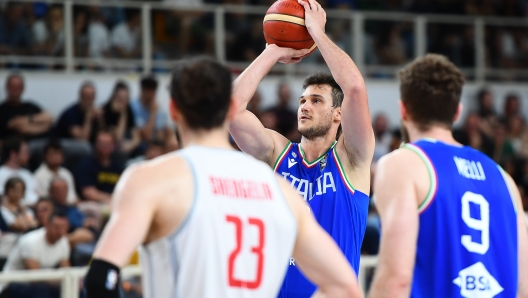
(284, 26)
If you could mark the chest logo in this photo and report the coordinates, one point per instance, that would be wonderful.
(291, 162)
(323, 162)
(476, 281)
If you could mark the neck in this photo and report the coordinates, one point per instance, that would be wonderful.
(53, 169)
(103, 160)
(313, 148)
(49, 239)
(439, 133)
(13, 100)
(12, 164)
(215, 138)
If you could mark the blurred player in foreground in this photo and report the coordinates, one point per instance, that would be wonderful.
(451, 218)
(212, 221)
(330, 169)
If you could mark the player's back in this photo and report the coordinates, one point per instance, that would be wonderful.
(236, 239)
(467, 241)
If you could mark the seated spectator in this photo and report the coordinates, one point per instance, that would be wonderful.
(17, 217)
(15, 155)
(119, 119)
(48, 33)
(154, 149)
(472, 135)
(81, 120)
(58, 193)
(503, 151)
(383, 136)
(125, 36)
(45, 248)
(19, 118)
(286, 117)
(43, 211)
(153, 123)
(51, 168)
(486, 112)
(97, 175)
(98, 35)
(512, 107)
(15, 37)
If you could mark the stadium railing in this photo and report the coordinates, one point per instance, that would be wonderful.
(70, 277)
(356, 20)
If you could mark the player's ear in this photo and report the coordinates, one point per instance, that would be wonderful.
(173, 110)
(403, 110)
(338, 114)
(233, 107)
(459, 111)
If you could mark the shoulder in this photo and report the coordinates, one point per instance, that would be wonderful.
(30, 105)
(399, 158)
(32, 237)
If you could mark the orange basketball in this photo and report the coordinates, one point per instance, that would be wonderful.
(284, 26)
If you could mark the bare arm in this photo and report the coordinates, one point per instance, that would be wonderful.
(93, 194)
(247, 130)
(129, 213)
(522, 241)
(355, 115)
(64, 263)
(129, 145)
(31, 264)
(83, 132)
(316, 253)
(396, 201)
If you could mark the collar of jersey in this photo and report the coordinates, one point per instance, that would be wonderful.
(313, 163)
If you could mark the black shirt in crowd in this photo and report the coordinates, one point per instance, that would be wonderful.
(9, 111)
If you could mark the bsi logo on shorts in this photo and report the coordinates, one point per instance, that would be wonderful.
(476, 281)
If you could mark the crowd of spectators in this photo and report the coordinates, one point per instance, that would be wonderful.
(114, 32)
(58, 174)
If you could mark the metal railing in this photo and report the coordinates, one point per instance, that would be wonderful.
(70, 277)
(356, 19)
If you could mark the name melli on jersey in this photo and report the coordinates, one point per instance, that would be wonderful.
(469, 169)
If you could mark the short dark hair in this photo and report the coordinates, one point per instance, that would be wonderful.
(53, 144)
(58, 213)
(325, 78)
(149, 83)
(156, 143)
(201, 89)
(86, 84)
(430, 88)
(12, 144)
(12, 182)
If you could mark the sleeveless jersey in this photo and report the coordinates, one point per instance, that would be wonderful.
(340, 209)
(235, 240)
(467, 242)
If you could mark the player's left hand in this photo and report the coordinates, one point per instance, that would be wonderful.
(314, 15)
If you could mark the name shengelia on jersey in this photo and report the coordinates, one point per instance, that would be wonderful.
(240, 188)
(469, 169)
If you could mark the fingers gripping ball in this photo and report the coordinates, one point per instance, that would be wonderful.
(284, 26)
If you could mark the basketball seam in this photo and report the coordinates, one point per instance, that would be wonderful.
(287, 40)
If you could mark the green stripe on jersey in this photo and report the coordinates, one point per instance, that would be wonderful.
(432, 176)
(281, 156)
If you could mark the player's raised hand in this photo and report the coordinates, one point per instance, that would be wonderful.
(314, 15)
(287, 55)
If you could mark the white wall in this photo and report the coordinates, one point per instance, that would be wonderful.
(54, 91)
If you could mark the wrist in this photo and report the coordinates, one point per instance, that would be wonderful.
(315, 31)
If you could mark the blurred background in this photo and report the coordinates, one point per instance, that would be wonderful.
(85, 95)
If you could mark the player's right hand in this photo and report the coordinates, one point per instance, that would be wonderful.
(287, 55)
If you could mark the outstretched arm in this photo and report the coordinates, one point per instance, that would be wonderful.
(355, 115)
(316, 253)
(247, 130)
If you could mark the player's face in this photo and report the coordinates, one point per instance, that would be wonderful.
(315, 114)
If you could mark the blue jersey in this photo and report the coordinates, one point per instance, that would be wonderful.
(340, 209)
(467, 242)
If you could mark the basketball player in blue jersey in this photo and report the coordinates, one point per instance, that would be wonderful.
(451, 218)
(330, 169)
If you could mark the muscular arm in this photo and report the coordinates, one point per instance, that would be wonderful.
(522, 240)
(129, 213)
(31, 264)
(355, 115)
(247, 130)
(396, 201)
(316, 253)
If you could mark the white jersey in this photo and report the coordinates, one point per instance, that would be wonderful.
(235, 241)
